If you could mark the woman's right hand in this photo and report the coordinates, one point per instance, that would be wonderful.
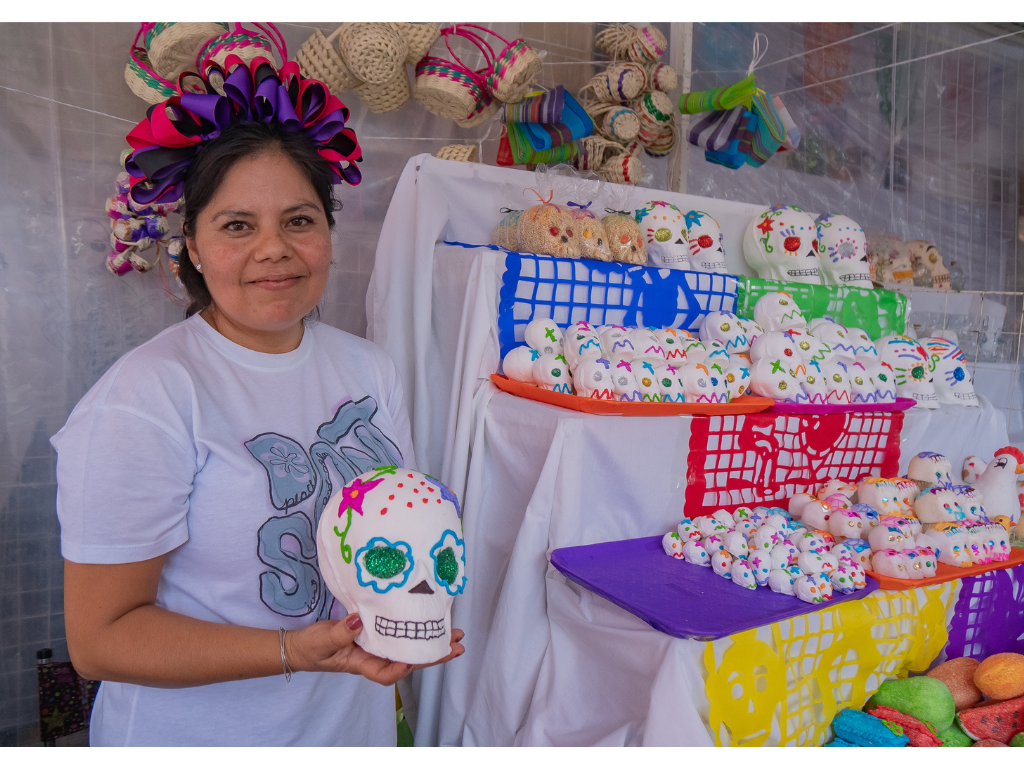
(329, 646)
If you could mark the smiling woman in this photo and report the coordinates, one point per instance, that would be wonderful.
(192, 587)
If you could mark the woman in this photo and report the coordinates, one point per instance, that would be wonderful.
(192, 475)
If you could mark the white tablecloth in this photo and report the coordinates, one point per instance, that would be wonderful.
(546, 662)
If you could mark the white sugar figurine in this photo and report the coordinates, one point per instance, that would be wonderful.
(544, 335)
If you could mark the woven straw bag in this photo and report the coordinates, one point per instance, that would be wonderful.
(448, 88)
(615, 39)
(484, 114)
(662, 144)
(613, 121)
(387, 97)
(648, 45)
(173, 46)
(462, 153)
(620, 83)
(318, 59)
(419, 38)
(661, 77)
(623, 168)
(140, 75)
(654, 107)
(243, 43)
(373, 51)
(592, 153)
(511, 73)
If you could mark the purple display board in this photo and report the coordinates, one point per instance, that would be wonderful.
(989, 615)
(676, 597)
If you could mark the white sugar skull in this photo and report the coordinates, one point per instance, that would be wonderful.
(390, 548)
(809, 540)
(593, 378)
(923, 562)
(847, 524)
(718, 380)
(671, 387)
(839, 339)
(981, 545)
(928, 254)
(551, 372)
(518, 364)
(782, 244)
(885, 382)
(709, 526)
(844, 258)
(737, 378)
(842, 578)
(694, 552)
(736, 543)
(868, 515)
(951, 543)
(813, 588)
(673, 342)
(664, 229)
(780, 581)
(580, 343)
(783, 555)
(778, 523)
(724, 517)
(812, 383)
(855, 550)
(741, 513)
(931, 468)
(724, 327)
(617, 342)
(999, 542)
(837, 382)
(544, 335)
(741, 574)
(811, 562)
(624, 381)
(938, 505)
(705, 241)
(765, 539)
(888, 537)
(717, 353)
(688, 530)
(697, 386)
(912, 367)
(797, 502)
(693, 350)
(647, 348)
(950, 376)
(746, 527)
(811, 348)
(890, 562)
(760, 567)
(672, 543)
(816, 515)
(752, 329)
(881, 494)
(648, 381)
(909, 527)
(721, 563)
(837, 485)
(770, 378)
(829, 562)
(970, 500)
(714, 542)
(862, 387)
(778, 312)
(864, 349)
(776, 345)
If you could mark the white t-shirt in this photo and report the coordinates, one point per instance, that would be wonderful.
(224, 457)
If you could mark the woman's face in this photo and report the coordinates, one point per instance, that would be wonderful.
(264, 246)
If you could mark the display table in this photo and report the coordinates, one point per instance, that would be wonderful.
(547, 662)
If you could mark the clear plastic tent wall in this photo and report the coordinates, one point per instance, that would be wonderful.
(928, 149)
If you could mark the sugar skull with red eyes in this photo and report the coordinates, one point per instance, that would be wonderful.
(782, 244)
(705, 241)
(550, 229)
(664, 229)
(844, 258)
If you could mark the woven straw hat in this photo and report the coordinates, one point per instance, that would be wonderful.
(318, 59)
(387, 97)
(419, 38)
(615, 39)
(174, 46)
(372, 51)
(462, 153)
(648, 45)
(661, 77)
(243, 43)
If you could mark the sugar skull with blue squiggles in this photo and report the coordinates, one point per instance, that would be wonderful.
(705, 241)
(952, 380)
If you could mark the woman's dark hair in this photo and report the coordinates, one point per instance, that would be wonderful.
(216, 158)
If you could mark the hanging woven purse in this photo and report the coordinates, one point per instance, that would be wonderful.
(172, 46)
(619, 84)
(647, 46)
(419, 38)
(612, 121)
(615, 39)
(513, 71)
(243, 43)
(318, 59)
(139, 73)
(448, 88)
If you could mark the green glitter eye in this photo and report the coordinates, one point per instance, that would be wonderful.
(666, 382)
(662, 234)
(447, 565)
(384, 562)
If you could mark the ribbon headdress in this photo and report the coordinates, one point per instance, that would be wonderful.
(174, 131)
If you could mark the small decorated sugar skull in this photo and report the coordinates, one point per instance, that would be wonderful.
(589, 231)
(890, 562)
(909, 528)
(706, 242)
(760, 567)
(842, 578)
(770, 378)
(647, 348)
(581, 342)
(708, 526)
(813, 588)
(981, 545)
(544, 335)
(930, 468)
(797, 502)
(390, 548)
(778, 345)
(912, 367)
(624, 381)
(742, 575)
(518, 364)
(593, 378)
(741, 513)
(688, 530)
(714, 542)
(885, 382)
(737, 378)
(617, 342)
(752, 329)
(549, 228)
(782, 244)
(847, 524)
(928, 254)
(778, 312)
(810, 347)
(836, 485)
(856, 550)
(829, 562)
(551, 372)
(969, 499)
(724, 327)
(718, 379)
(765, 539)
(693, 350)
(811, 562)
(672, 543)
(951, 543)
(868, 515)
(697, 386)
(724, 516)
(888, 537)
(922, 561)
(694, 553)
(838, 338)
(816, 515)
(777, 522)
(717, 353)
(864, 349)
(950, 376)
(812, 382)
(780, 581)
(837, 382)
(862, 387)
(670, 385)
(648, 382)
(938, 505)
(812, 541)
(998, 541)
(674, 343)
(721, 563)
(844, 260)
(881, 494)
(664, 229)
(783, 554)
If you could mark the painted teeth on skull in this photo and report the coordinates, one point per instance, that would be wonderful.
(409, 630)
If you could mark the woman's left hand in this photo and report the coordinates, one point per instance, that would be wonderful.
(329, 646)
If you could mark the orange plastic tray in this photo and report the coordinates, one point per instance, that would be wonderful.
(744, 404)
(949, 572)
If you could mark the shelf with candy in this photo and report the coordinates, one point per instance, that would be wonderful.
(900, 528)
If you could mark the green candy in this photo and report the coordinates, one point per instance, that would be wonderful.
(923, 697)
(954, 737)
(1017, 740)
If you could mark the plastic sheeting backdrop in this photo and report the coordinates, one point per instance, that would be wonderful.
(945, 167)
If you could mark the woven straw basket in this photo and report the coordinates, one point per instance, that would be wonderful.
(661, 77)
(662, 144)
(318, 59)
(449, 90)
(489, 110)
(623, 168)
(592, 153)
(144, 82)
(619, 83)
(174, 46)
(648, 45)
(612, 121)
(654, 107)
(615, 39)
(243, 43)
(387, 97)
(462, 153)
(372, 51)
(516, 69)
(419, 38)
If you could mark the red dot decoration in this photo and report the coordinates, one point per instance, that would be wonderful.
(384, 511)
(391, 497)
(430, 489)
(409, 504)
(424, 501)
(400, 485)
